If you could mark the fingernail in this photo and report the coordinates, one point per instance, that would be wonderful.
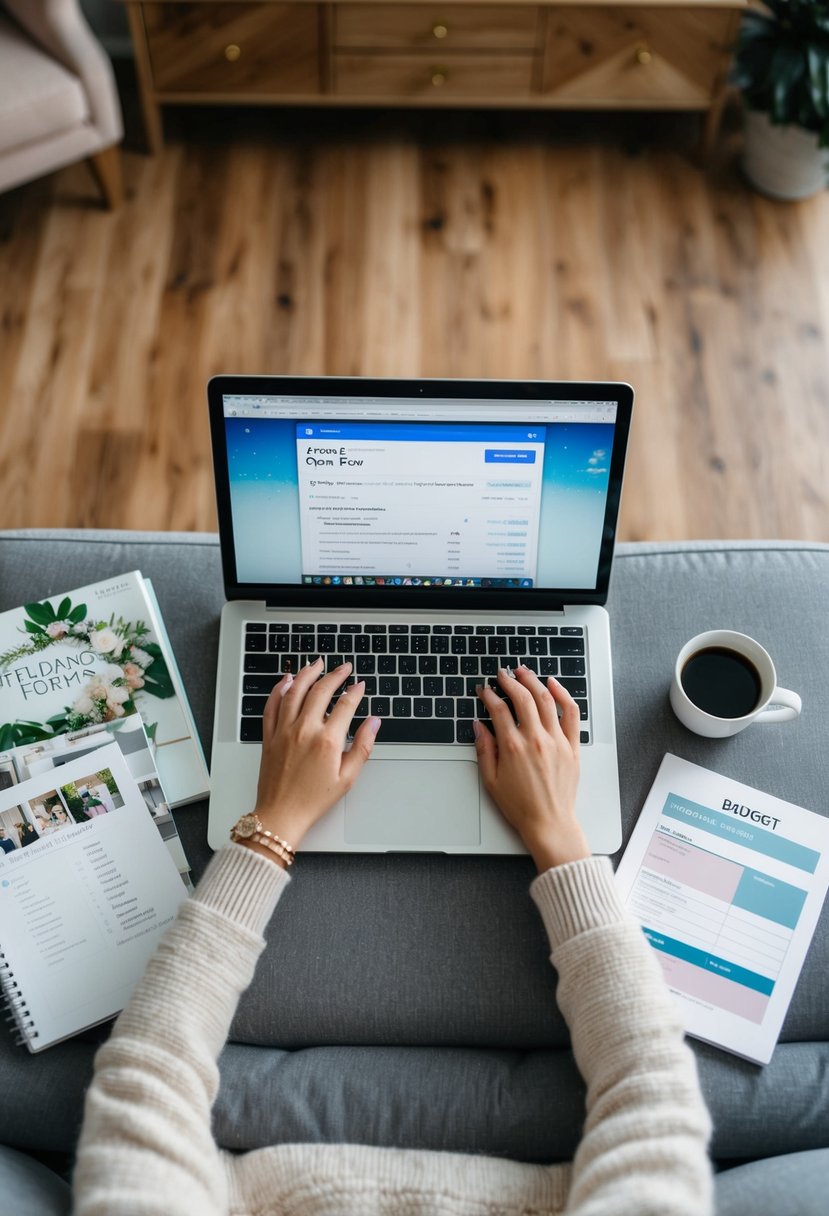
(479, 688)
(374, 725)
(286, 681)
(476, 728)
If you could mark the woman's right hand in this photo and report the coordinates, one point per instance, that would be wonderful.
(530, 768)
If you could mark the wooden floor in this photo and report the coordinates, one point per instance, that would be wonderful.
(416, 245)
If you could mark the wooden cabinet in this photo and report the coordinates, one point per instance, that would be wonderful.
(658, 54)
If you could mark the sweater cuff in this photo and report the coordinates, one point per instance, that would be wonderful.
(243, 886)
(576, 897)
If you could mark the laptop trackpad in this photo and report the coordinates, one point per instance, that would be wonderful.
(415, 804)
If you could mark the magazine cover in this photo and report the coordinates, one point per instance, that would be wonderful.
(90, 657)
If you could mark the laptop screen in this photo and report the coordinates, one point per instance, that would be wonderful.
(394, 494)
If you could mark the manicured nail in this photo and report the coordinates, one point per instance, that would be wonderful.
(286, 682)
(374, 725)
(476, 728)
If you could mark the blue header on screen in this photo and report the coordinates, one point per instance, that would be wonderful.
(423, 432)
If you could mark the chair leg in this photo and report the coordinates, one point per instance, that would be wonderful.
(106, 169)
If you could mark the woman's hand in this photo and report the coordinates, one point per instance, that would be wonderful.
(530, 768)
(304, 769)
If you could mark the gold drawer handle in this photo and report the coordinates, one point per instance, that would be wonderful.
(440, 30)
(232, 52)
(644, 55)
(439, 77)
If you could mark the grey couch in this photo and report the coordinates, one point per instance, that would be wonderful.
(408, 1000)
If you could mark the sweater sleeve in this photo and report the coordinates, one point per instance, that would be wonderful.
(645, 1136)
(146, 1144)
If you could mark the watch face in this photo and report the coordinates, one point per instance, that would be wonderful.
(246, 826)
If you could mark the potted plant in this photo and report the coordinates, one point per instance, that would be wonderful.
(781, 65)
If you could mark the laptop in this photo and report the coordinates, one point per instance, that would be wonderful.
(429, 531)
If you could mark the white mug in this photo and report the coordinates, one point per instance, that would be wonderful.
(773, 704)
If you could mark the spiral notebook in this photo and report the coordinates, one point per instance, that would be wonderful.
(89, 882)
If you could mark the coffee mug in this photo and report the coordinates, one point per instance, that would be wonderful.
(723, 681)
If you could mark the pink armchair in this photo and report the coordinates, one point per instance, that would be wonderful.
(58, 101)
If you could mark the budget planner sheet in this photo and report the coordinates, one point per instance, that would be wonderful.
(728, 884)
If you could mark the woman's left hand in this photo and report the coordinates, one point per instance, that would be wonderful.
(304, 769)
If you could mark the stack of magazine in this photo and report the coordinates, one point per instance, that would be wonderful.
(97, 744)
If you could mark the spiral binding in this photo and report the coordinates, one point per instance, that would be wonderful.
(17, 1010)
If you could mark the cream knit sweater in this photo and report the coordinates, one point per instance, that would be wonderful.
(146, 1147)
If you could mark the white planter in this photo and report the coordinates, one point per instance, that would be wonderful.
(783, 162)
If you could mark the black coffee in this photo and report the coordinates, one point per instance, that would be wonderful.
(721, 682)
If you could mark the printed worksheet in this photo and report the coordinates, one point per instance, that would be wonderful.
(728, 884)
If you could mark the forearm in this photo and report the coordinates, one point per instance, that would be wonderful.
(146, 1144)
(646, 1132)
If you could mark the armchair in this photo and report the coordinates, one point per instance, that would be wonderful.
(58, 101)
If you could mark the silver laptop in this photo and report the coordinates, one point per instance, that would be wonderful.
(429, 531)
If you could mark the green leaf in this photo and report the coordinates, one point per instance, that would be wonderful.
(43, 614)
(32, 628)
(78, 614)
(157, 680)
(6, 736)
(64, 608)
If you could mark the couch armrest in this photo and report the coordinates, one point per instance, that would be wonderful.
(60, 28)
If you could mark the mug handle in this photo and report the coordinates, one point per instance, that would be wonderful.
(790, 706)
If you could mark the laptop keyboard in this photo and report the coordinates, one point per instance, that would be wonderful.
(420, 679)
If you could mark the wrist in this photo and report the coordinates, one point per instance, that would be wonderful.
(556, 849)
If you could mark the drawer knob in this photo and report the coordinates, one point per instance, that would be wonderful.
(232, 52)
(644, 55)
(439, 77)
(440, 30)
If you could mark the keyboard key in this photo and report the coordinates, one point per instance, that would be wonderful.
(526, 630)
(290, 663)
(496, 645)
(441, 629)
(572, 631)
(303, 627)
(388, 686)
(489, 665)
(465, 708)
(462, 629)
(407, 664)
(279, 627)
(419, 644)
(277, 642)
(444, 707)
(472, 685)
(399, 643)
(566, 645)
(518, 645)
(255, 642)
(584, 736)
(485, 629)
(401, 707)
(576, 688)
(440, 645)
(351, 629)
(250, 730)
(427, 664)
(380, 707)
(459, 644)
(371, 686)
(505, 630)
(362, 643)
(375, 629)
(366, 665)
(326, 643)
(448, 664)
(538, 646)
(469, 665)
(548, 630)
(572, 667)
(416, 730)
(256, 627)
(399, 629)
(411, 686)
(421, 628)
(477, 645)
(455, 686)
(379, 643)
(386, 664)
(327, 628)
(422, 707)
(345, 641)
(433, 686)
(582, 709)
(464, 732)
(259, 684)
(548, 667)
(253, 707)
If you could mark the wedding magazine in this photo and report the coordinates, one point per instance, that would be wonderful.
(728, 883)
(88, 657)
(91, 873)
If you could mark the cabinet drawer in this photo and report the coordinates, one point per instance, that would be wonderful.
(427, 78)
(436, 28)
(636, 55)
(233, 48)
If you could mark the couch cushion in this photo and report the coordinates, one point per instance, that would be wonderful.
(38, 96)
(793, 1185)
(28, 1188)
